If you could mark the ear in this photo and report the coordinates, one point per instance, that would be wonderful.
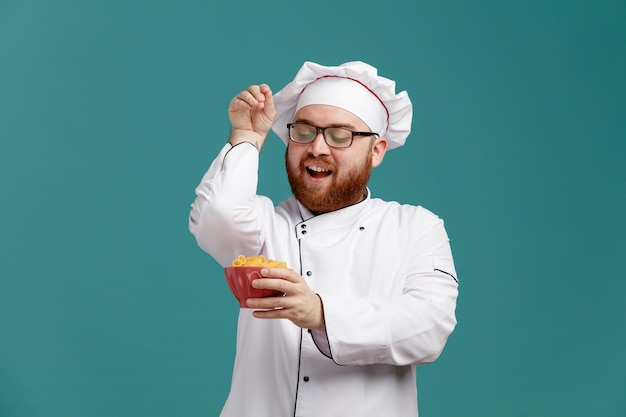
(379, 147)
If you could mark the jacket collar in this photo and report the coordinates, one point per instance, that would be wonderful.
(337, 219)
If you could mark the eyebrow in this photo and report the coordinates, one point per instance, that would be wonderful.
(344, 125)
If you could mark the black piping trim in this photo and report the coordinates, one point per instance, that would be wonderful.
(447, 273)
(315, 341)
(240, 143)
(295, 403)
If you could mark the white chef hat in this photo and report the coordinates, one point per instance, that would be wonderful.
(353, 86)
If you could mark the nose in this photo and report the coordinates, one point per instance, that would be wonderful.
(319, 146)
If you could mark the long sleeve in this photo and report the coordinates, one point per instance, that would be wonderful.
(407, 329)
(224, 216)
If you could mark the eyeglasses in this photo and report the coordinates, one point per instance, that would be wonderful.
(335, 137)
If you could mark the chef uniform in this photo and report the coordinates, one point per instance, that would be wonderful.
(384, 272)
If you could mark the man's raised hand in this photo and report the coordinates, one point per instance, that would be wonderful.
(251, 114)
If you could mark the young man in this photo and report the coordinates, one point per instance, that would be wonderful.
(371, 290)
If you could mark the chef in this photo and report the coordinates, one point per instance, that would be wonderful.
(371, 288)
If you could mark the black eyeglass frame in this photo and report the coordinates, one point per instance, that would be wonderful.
(322, 130)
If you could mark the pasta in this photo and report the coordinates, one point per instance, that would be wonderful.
(258, 260)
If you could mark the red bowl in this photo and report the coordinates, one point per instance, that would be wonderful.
(239, 280)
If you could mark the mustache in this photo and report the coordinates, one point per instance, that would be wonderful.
(320, 159)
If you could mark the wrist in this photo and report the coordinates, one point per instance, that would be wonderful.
(320, 322)
(240, 136)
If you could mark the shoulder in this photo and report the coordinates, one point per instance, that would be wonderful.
(288, 204)
(288, 208)
(402, 212)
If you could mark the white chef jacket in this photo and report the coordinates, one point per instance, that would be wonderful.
(386, 278)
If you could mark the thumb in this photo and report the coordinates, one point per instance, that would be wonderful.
(270, 109)
(264, 117)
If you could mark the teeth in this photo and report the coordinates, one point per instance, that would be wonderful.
(317, 169)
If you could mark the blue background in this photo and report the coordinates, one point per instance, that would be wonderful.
(111, 111)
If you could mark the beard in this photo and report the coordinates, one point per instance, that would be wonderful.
(344, 189)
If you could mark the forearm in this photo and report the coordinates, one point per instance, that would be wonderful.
(411, 327)
(402, 331)
(222, 216)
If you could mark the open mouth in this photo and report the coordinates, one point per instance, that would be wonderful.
(318, 172)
